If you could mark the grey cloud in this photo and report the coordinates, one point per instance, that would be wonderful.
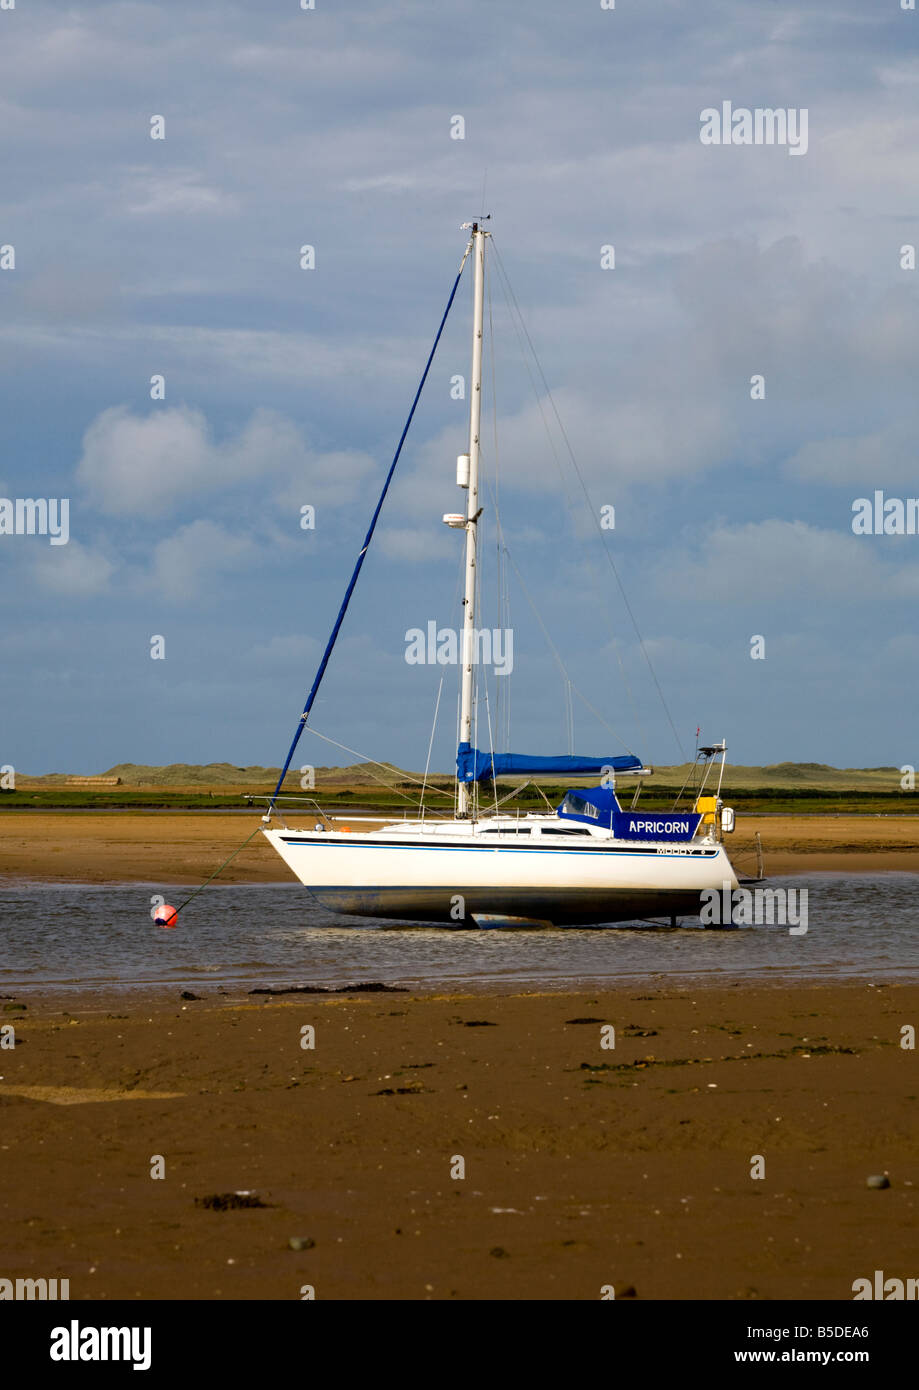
(146, 465)
(768, 560)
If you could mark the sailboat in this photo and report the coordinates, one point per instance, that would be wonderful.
(587, 861)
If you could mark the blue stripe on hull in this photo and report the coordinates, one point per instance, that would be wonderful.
(328, 843)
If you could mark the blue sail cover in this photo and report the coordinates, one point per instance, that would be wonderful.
(473, 766)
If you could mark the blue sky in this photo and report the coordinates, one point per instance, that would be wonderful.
(287, 387)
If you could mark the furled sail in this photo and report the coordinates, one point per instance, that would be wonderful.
(473, 766)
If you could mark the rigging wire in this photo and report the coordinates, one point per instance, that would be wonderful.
(505, 558)
(456, 743)
(614, 640)
(460, 574)
(376, 763)
(491, 742)
(571, 454)
(503, 690)
(566, 717)
(555, 652)
(431, 743)
(317, 680)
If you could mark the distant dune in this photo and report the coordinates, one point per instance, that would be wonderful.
(214, 775)
(797, 776)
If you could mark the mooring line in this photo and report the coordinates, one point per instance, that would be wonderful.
(217, 871)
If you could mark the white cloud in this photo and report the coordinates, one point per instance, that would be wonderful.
(382, 183)
(143, 464)
(617, 443)
(154, 192)
(323, 480)
(134, 465)
(202, 353)
(881, 145)
(863, 461)
(72, 569)
(414, 545)
(768, 560)
(186, 562)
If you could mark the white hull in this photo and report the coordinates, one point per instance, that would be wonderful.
(450, 871)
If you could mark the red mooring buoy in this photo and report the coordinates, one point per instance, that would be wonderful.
(166, 916)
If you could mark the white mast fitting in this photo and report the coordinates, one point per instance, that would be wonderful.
(467, 685)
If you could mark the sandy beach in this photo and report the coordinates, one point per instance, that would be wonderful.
(186, 847)
(584, 1166)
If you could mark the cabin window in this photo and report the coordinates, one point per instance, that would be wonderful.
(577, 806)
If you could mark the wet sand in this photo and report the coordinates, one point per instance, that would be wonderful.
(584, 1167)
(186, 847)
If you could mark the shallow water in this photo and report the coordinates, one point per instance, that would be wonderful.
(96, 937)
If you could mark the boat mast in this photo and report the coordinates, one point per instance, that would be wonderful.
(465, 800)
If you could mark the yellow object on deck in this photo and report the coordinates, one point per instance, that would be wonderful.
(708, 805)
